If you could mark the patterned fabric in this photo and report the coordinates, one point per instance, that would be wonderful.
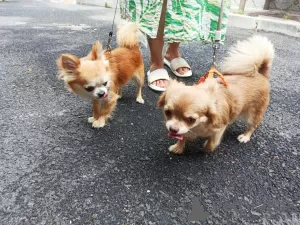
(186, 20)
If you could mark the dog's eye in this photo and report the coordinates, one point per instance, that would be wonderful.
(89, 88)
(190, 120)
(168, 113)
(105, 83)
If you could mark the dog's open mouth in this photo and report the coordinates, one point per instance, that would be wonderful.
(104, 96)
(176, 136)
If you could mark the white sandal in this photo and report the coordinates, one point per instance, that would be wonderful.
(176, 64)
(159, 74)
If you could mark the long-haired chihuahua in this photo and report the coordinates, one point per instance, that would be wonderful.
(206, 109)
(100, 75)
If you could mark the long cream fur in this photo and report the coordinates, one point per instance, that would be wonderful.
(249, 57)
(205, 110)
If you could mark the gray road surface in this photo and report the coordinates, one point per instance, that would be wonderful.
(56, 169)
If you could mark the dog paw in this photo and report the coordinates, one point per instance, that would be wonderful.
(91, 119)
(175, 149)
(140, 100)
(98, 123)
(208, 147)
(243, 138)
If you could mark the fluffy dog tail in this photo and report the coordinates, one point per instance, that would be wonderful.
(129, 35)
(249, 57)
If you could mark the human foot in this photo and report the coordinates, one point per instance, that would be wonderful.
(172, 52)
(181, 70)
(155, 78)
(162, 83)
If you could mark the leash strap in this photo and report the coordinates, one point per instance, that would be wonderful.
(219, 28)
(213, 72)
(110, 34)
(161, 25)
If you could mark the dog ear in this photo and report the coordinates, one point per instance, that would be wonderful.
(212, 114)
(161, 100)
(172, 82)
(217, 119)
(97, 51)
(68, 63)
(175, 83)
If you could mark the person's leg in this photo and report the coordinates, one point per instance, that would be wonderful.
(156, 46)
(173, 52)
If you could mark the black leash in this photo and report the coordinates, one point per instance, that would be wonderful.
(110, 34)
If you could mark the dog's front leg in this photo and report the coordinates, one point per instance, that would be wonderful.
(214, 140)
(96, 111)
(106, 110)
(119, 93)
(178, 148)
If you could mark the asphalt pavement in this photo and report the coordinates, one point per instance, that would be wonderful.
(56, 169)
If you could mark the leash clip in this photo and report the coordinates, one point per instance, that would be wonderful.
(215, 46)
(108, 47)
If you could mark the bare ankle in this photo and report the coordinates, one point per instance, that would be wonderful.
(171, 55)
(156, 66)
(172, 51)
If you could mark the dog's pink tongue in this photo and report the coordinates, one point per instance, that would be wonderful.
(177, 136)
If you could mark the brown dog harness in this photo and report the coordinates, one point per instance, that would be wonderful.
(213, 73)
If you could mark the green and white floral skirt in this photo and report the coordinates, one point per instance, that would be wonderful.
(186, 20)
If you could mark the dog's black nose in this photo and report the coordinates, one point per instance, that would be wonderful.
(173, 130)
(101, 94)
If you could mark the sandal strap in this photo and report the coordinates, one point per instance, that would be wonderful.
(179, 63)
(159, 74)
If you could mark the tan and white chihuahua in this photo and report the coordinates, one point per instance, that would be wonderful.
(101, 75)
